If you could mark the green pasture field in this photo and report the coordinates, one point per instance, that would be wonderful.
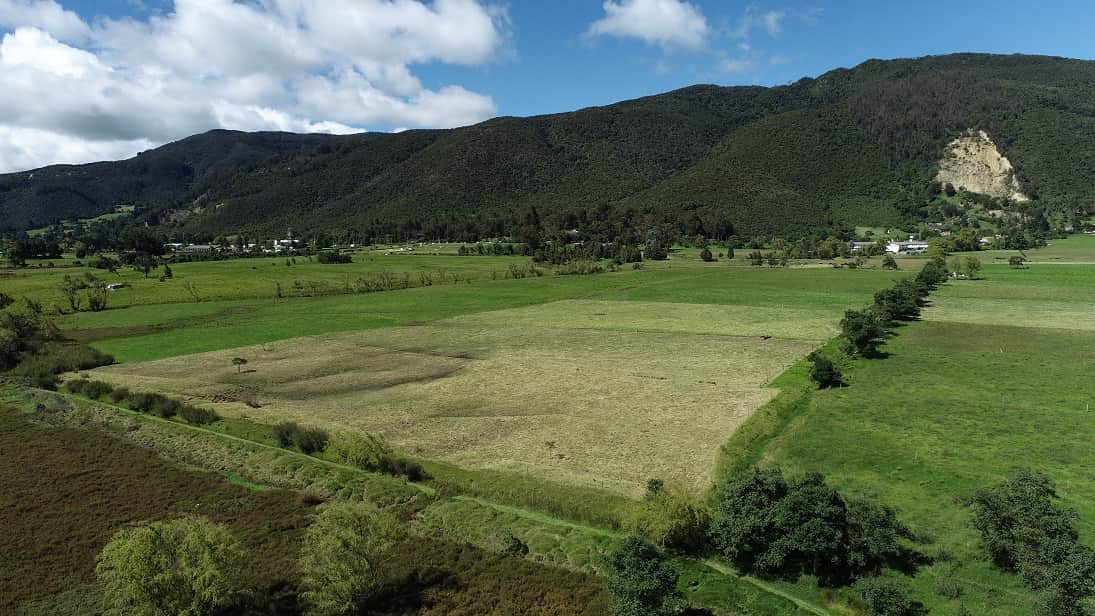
(1071, 249)
(250, 278)
(141, 333)
(998, 375)
(595, 381)
(1056, 296)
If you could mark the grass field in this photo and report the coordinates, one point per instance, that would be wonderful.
(597, 381)
(999, 374)
(582, 388)
(595, 407)
(1055, 296)
(147, 332)
(253, 277)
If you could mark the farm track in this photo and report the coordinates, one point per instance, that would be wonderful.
(518, 511)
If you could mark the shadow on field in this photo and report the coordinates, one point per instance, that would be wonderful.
(407, 595)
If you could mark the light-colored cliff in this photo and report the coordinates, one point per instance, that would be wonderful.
(973, 162)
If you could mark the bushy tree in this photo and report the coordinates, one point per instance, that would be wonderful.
(706, 255)
(641, 582)
(1023, 529)
(900, 302)
(933, 273)
(97, 297)
(862, 332)
(342, 552)
(186, 567)
(824, 372)
(70, 289)
(873, 533)
(888, 262)
(971, 265)
(773, 527)
(1016, 516)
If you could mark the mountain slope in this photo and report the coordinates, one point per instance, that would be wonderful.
(853, 146)
(157, 177)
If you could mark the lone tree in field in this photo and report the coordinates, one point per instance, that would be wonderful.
(824, 372)
(641, 582)
(342, 552)
(888, 262)
(70, 288)
(189, 566)
(239, 363)
(1016, 262)
(706, 255)
(971, 265)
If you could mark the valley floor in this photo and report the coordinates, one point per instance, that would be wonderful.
(542, 405)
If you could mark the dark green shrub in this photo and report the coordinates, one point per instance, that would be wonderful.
(164, 407)
(330, 256)
(76, 386)
(140, 402)
(197, 416)
(119, 394)
(311, 440)
(824, 372)
(401, 467)
(97, 389)
(285, 432)
(308, 440)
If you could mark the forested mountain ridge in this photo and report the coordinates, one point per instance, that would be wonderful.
(160, 177)
(853, 146)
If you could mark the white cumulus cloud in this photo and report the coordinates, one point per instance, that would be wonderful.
(45, 14)
(73, 92)
(671, 24)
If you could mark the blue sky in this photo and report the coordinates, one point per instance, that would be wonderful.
(555, 66)
(137, 73)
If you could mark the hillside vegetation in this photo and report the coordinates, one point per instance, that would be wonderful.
(161, 176)
(853, 146)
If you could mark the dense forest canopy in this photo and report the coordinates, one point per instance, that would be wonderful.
(852, 147)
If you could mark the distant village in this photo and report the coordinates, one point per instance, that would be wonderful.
(286, 246)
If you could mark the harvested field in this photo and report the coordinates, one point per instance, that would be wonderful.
(513, 390)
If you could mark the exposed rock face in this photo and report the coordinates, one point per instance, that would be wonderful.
(973, 162)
